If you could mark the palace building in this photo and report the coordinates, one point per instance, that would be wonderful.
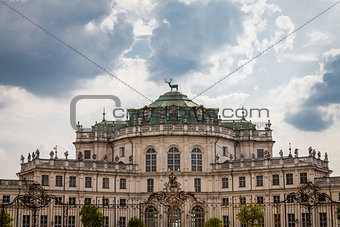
(176, 163)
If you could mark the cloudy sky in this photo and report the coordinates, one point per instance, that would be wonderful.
(194, 42)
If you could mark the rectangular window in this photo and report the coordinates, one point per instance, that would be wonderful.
(71, 221)
(105, 202)
(122, 221)
(57, 221)
(225, 183)
(291, 220)
(25, 221)
(87, 154)
(260, 153)
(87, 201)
(106, 221)
(72, 200)
(151, 162)
(122, 183)
(150, 184)
(323, 219)
(225, 221)
(259, 199)
(225, 151)
(259, 180)
(290, 198)
(6, 199)
(197, 184)
(276, 198)
(277, 220)
(242, 182)
(72, 181)
(122, 202)
(44, 180)
(305, 220)
(59, 181)
(225, 201)
(303, 178)
(243, 200)
(88, 182)
(106, 182)
(58, 200)
(276, 179)
(43, 221)
(289, 178)
(122, 151)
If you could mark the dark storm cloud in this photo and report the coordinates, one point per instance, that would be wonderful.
(310, 117)
(31, 59)
(188, 32)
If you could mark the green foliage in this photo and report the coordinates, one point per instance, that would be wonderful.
(135, 222)
(338, 212)
(5, 218)
(251, 215)
(91, 216)
(214, 222)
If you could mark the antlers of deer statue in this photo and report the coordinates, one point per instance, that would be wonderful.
(172, 86)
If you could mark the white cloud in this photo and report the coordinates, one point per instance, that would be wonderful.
(317, 38)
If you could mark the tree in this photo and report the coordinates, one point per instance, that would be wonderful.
(135, 222)
(251, 215)
(91, 216)
(5, 218)
(214, 222)
(338, 212)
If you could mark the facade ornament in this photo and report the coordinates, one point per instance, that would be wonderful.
(266, 154)
(37, 154)
(281, 153)
(131, 159)
(29, 157)
(94, 156)
(217, 158)
(51, 154)
(231, 157)
(319, 154)
(80, 156)
(326, 157)
(296, 153)
(116, 158)
(105, 157)
(253, 156)
(242, 156)
(22, 159)
(66, 154)
(310, 151)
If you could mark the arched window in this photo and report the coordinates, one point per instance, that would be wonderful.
(196, 160)
(151, 160)
(173, 113)
(151, 216)
(174, 159)
(174, 218)
(197, 216)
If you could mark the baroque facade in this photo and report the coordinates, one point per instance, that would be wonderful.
(221, 163)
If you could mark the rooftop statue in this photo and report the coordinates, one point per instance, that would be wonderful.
(172, 86)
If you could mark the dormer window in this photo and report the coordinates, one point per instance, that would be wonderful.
(173, 113)
(199, 114)
(146, 114)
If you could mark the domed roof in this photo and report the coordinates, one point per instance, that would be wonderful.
(173, 97)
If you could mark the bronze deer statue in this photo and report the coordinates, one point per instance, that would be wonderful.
(172, 86)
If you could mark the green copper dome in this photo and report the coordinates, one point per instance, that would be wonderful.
(173, 98)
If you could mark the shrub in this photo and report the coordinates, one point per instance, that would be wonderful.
(214, 222)
(91, 216)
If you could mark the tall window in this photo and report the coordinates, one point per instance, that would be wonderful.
(106, 182)
(305, 219)
(174, 159)
(71, 221)
(225, 183)
(243, 200)
(291, 220)
(259, 180)
(323, 219)
(59, 181)
(276, 198)
(150, 185)
(225, 151)
(44, 180)
(289, 178)
(122, 183)
(197, 216)
(197, 184)
(43, 221)
(122, 221)
(151, 160)
(259, 199)
(225, 221)
(151, 216)
(72, 181)
(122, 151)
(72, 200)
(196, 160)
(173, 113)
(303, 178)
(225, 201)
(106, 221)
(88, 182)
(57, 221)
(25, 221)
(106, 202)
(242, 182)
(87, 201)
(277, 220)
(276, 179)
(87, 154)
(122, 202)
(260, 153)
